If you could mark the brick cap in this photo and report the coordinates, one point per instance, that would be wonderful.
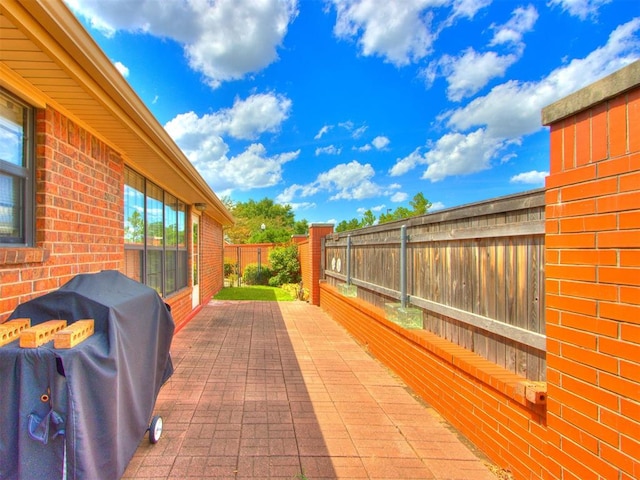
(599, 91)
(322, 225)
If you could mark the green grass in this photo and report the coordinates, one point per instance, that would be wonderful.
(269, 294)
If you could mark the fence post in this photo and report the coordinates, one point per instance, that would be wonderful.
(348, 259)
(259, 265)
(403, 266)
(239, 264)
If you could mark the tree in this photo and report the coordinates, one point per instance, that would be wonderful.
(345, 225)
(285, 266)
(419, 206)
(368, 219)
(278, 221)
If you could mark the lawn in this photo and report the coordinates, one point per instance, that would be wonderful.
(270, 294)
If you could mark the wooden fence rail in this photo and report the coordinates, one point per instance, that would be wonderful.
(476, 271)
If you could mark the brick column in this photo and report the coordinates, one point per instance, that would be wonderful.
(593, 281)
(317, 231)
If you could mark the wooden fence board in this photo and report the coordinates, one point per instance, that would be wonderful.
(477, 272)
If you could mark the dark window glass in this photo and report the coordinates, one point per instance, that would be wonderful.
(16, 178)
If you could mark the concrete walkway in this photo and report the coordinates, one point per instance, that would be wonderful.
(281, 391)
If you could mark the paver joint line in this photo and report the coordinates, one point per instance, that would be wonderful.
(272, 390)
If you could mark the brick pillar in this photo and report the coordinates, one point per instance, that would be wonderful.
(317, 231)
(593, 281)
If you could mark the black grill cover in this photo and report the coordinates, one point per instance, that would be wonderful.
(101, 392)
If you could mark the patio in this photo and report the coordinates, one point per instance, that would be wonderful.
(279, 390)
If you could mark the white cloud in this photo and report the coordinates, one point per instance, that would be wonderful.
(377, 208)
(512, 109)
(122, 68)
(208, 31)
(252, 168)
(436, 206)
(302, 206)
(398, 31)
(322, 131)
(521, 22)
(460, 154)
(469, 8)
(247, 119)
(380, 142)
(201, 139)
(468, 73)
(406, 164)
(358, 132)
(257, 114)
(530, 178)
(399, 197)
(329, 150)
(580, 8)
(346, 181)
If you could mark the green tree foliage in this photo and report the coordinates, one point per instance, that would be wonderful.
(419, 206)
(278, 220)
(285, 266)
(255, 274)
(346, 225)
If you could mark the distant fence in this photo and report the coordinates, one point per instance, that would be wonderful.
(476, 271)
(241, 255)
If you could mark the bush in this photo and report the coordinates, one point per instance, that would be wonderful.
(229, 268)
(285, 265)
(251, 276)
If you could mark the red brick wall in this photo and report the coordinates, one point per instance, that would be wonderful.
(590, 428)
(79, 219)
(484, 401)
(317, 232)
(593, 292)
(305, 262)
(211, 258)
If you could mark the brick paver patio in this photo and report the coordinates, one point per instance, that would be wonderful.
(280, 390)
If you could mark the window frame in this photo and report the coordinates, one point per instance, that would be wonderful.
(148, 249)
(26, 173)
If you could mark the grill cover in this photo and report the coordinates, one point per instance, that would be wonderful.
(101, 392)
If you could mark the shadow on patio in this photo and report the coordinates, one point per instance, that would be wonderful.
(279, 390)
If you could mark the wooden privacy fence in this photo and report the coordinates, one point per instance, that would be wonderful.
(476, 272)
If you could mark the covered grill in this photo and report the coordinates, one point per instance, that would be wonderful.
(80, 413)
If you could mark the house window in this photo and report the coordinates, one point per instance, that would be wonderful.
(154, 235)
(16, 171)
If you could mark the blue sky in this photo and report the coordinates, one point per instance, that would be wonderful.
(340, 106)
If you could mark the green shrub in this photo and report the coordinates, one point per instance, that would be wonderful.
(284, 265)
(252, 276)
(229, 268)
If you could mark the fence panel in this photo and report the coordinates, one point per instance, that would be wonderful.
(241, 255)
(476, 271)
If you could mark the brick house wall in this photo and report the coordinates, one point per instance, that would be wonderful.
(211, 258)
(80, 220)
(79, 213)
